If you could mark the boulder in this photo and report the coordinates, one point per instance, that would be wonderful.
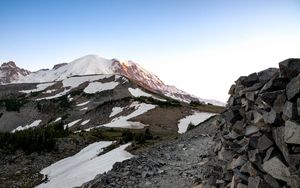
(292, 133)
(279, 103)
(274, 85)
(267, 74)
(293, 88)
(277, 169)
(290, 110)
(271, 181)
(289, 68)
(264, 143)
(250, 80)
(270, 97)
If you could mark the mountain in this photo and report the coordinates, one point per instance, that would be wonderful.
(9, 72)
(93, 64)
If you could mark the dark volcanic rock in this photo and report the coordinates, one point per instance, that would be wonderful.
(293, 88)
(289, 68)
(250, 80)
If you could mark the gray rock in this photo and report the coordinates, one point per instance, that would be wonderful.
(278, 135)
(298, 106)
(250, 80)
(292, 132)
(253, 154)
(267, 74)
(255, 182)
(279, 103)
(251, 129)
(294, 181)
(240, 185)
(270, 97)
(271, 117)
(290, 110)
(289, 68)
(293, 88)
(274, 85)
(264, 143)
(271, 181)
(249, 169)
(268, 154)
(251, 95)
(232, 90)
(277, 169)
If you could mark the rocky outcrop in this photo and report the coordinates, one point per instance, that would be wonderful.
(260, 130)
(9, 72)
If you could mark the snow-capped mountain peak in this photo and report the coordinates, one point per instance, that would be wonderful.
(94, 64)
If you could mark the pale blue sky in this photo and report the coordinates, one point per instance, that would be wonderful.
(199, 46)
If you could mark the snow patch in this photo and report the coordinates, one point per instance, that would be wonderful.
(83, 109)
(195, 119)
(72, 123)
(95, 87)
(39, 87)
(83, 166)
(137, 92)
(33, 124)
(82, 104)
(122, 121)
(115, 111)
(85, 122)
(58, 119)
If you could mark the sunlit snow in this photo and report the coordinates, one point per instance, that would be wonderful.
(39, 87)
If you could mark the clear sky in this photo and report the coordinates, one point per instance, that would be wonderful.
(199, 46)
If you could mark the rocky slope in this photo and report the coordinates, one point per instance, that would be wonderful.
(9, 72)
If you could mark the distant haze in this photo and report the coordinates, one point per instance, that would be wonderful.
(201, 47)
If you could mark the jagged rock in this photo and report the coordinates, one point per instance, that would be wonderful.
(267, 74)
(279, 103)
(256, 182)
(225, 155)
(251, 95)
(292, 132)
(290, 110)
(268, 154)
(277, 169)
(289, 68)
(294, 181)
(240, 185)
(232, 90)
(249, 169)
(278, 135)
(271, 181)
(274, 85)
(264, 143)
(251, 129)
(271, 117)
(293, 88)
(237, 162)
(253, 154)
(238, 127)
(298, 106)
(270, 97)
(250, 80)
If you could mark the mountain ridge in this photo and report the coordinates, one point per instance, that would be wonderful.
(94, 64)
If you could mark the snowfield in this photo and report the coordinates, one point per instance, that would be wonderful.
(39, 87)
(33, 124)
(195, 119)
(85, 122)
(83, 166)
(95, 87)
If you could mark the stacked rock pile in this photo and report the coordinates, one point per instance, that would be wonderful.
(260, 129)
